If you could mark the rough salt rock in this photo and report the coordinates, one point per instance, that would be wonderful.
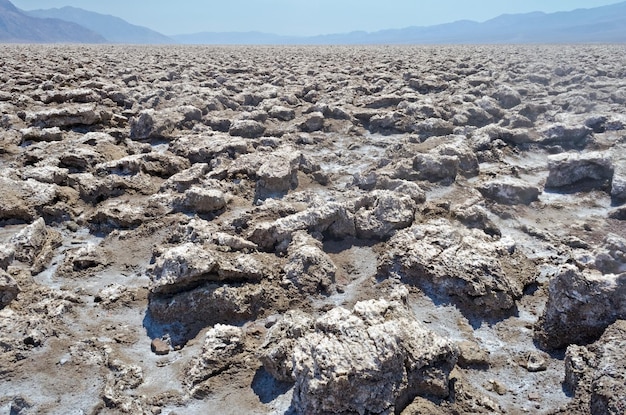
(433, 127)
(7, 255)
(565, 136)
(332, 217)
(39, 134)
(507, 97)
(618, 184)
(282, 113)
(8, 289)
(611, 257)
(374, 359)
(278, 174)
(382, 213)
(314, 122)
(88, 256)
(477, 217)
(214, 303)
(581, 305)
(457, 146)
(435, 168)
(152, 124)
(308, 267)
(484, 275)
(509, 191)
(25, 199)
(596, 373)
(203, 149)
(46, 174)
(82, 95)
(155, 164)
(276, 352)
(247, 129)
(471, 354)
(80, 158)
(159, 347)
(222, 347)
(618, 214)
(567, 170)
(242, 267)
(181, 267)
(29, 241)
(118, 214)
(201, 200)
(66, 116)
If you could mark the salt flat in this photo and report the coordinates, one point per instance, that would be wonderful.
(312, 230)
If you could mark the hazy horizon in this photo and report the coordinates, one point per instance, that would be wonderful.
(304, 18)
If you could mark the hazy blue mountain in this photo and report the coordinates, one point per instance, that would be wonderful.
(112, 28)
(17, 27)
(606, 24)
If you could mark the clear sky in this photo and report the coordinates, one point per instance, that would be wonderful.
(304, 17)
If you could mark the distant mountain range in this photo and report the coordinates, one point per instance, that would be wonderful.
(113, 29)
(16, 26)
(606, 24)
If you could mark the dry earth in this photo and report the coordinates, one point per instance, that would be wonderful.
(336, 230)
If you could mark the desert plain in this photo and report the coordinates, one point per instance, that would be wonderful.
(313, 230)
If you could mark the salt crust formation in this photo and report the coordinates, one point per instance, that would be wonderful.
(318, 230)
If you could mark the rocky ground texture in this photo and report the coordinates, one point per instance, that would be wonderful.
(316, 230)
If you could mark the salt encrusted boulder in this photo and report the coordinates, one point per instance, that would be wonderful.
(222, 348)
(569, 170)
(151, 124)
(476, 216)
(119, 214)
(29, 242)
(618, 184)
(507, 97)
(581, 305)
(247, 129)
(509, 191)
(25, 199)
(46, 174)
(383, 212)
(332, 217)
(618, 214)
(213, 303)
(202, 149)
(66, 116)
(276, 352)
(611, 257)
(457, 146)
(181, 267)
(596, 373)
(201, 200)
(308, 267)
(7, 255)
(278, 174)
(282, 113)
(164, 123)
(482, 274)
(42, 134)
(8, 289)
(565, 136)
(155, 164)
(375, 358)
(313, 122)
(82, 95)
(34, 245)
(435, 168)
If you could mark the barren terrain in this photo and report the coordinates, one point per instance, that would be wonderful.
(315, 230)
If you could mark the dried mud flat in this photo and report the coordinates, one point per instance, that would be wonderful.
(337, 230)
